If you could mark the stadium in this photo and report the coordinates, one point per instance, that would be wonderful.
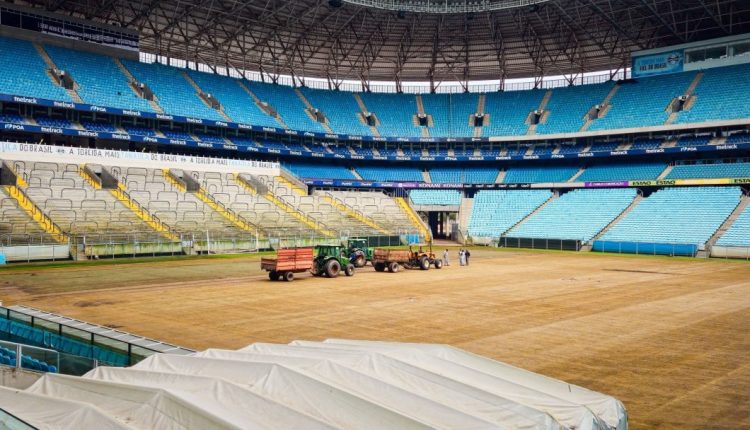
(375, 214)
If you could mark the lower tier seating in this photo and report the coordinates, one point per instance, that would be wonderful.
(495, 211)
(576, 215)
(739, 233)
(388, 174)
(528, 175)
(689, 215)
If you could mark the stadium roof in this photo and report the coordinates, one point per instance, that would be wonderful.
(338, 40)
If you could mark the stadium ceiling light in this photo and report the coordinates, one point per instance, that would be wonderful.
(445, 6)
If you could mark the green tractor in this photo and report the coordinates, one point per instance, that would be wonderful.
(358, 251)
(331, 260)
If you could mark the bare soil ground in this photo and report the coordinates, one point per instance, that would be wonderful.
(668, 337)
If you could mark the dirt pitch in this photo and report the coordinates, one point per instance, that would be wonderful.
(668, 337)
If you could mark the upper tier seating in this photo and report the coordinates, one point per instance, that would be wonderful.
(739, 233)
(237, 104)
(388, 174)
(322, 171)
(450, 113)
(495, 211)
(528, 175)
(340, 108)
(99, 126)
(454, 175)
(720, 95)
(23, 72)
(395, 113)
(174, 93)
(688, 216)
(646, 143)
(288, 105)
(100, 81)
(568, 106)
(435, 197)
(621, 172)
(576, 215)
(509, 110)
(717, 170)
(643, 102)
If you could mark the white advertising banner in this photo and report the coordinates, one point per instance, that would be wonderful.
(107, 157)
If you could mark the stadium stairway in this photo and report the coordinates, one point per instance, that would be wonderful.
(531, 214)
(361, 103)
(604, 103)
(426, 176)
(623, 214)
(464, 215)
(415, 219)
(352, 213)
(52, 66)
(726, 225)
(425, 131)
(200, 91)
(577, 174)
(154, 103)
(541, 108)
(259, 103)
(500, 176)
(690, 100)
(121, 195)
(212, 203)
(35, 213)
(292, 211)
(666, 172)
(309, 110)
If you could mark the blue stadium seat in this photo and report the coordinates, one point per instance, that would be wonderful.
(388, 174)
(528, 175)
(340, 108)
(621, 172)
(23, 72)
(739, 233)
(705, 171)
(495, 211)
(435, 197)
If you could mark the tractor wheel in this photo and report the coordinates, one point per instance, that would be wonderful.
(379, 267)
(349, 270)
(424, 263)
(332, 268)
(360, 260)
(288, 276)
(438, 264)
(273, 275)
(393, 267)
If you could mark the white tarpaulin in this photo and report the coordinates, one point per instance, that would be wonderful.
(336, 384)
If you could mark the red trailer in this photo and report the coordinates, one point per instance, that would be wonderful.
(287, 262)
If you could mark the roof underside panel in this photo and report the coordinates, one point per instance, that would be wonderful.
(309, 38)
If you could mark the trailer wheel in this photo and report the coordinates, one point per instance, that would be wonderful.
(273, 275)
(288, 276)
(349, 270)
(379, 267)
(438, 264)
(424, 263)
(333, 268)
(393, 267)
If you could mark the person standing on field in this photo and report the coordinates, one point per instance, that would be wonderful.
(467, 254)
(445, 258)
(462, 257)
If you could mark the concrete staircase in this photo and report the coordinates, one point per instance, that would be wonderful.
(605, 103)
(309, 108)
(363, 108)
(464, 215)
(200, 91)
(526, 218)
(353, 213)
(132, 80)
(623, 214)
(426, 176)
(541, 108)
(577, 174)
(34, 212)
(143, 214)
(356, 173)
(500, 176)
(665, 172)
(420, 110)
(481, 102)
(51, 65)
(259, 103)
(415, 219)
(726, 225)
(690, 99)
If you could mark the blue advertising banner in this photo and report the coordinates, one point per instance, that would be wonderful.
(658, 64)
